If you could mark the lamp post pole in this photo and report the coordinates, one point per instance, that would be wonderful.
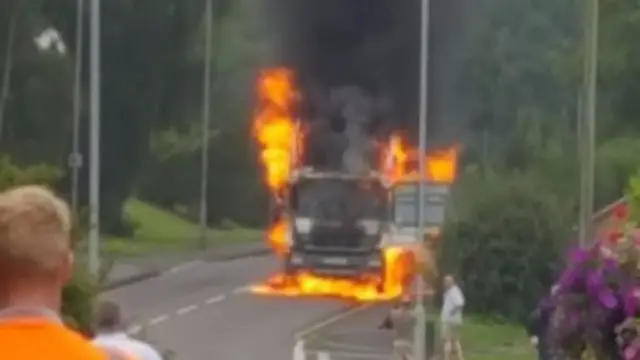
(206, 121)
(94, 170)
(588, 119)
(75, 160)
(419, 339)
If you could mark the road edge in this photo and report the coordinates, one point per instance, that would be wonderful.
(153, 273)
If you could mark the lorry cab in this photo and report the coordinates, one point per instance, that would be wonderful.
(336, 223)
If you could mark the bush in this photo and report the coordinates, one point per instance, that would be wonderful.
(504, 243)
(78, 300)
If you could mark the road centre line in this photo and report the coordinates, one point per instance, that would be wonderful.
(136, 328)
(186, 309)
(158, 320)
(215, 299)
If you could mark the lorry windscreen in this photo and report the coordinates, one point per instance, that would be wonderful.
(339, 200)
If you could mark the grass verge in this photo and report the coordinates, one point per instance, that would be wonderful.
(489, 340)
(161, 230)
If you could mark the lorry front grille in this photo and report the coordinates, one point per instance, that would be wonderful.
(336, 237)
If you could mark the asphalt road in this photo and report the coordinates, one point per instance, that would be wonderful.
(355, 335)
(206, 311)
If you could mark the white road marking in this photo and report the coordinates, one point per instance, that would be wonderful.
(355, 355)
(298, 350)
(215, 299)
(158, 320)
(342, 346)
(331, 320)
(242, 290)
(186, 309)
(134, 329)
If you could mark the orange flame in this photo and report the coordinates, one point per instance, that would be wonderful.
(440, 165)
(400, 267)
(280, 139)
(277, 237)
(274, 126)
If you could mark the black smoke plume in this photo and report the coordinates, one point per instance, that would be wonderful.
(357, 64)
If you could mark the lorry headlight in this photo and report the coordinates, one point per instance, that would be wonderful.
(371, 227)
(374, 262)
(303, 225)
(296, 260)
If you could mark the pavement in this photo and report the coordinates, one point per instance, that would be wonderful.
(352, 335)
(204, 310)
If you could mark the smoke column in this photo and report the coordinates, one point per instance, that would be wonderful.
(357, 63)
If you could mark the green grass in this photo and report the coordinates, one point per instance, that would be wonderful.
(488, 340)
(161, 230)
(485, 339)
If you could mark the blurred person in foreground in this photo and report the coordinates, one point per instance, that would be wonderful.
(111, 333)
(451, 318)
(402, 320)
(36, 261)
(538, 326)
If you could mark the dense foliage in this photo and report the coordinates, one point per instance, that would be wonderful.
(503, 245)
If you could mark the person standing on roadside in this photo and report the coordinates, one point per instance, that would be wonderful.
(111, 334)
(451, 318)
(401, 319)
(36, 261)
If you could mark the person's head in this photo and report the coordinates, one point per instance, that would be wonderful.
(36, 259)
(449, 281)
(109, 317)
(405, 301)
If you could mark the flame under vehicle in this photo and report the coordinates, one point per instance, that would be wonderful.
(337, 222)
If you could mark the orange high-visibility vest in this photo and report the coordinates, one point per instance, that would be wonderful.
(39, 338)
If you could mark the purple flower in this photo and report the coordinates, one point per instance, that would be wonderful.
(607, 298)
(580, 256)
(630, 300)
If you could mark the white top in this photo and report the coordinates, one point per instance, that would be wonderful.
(121, 341)
(452, 306)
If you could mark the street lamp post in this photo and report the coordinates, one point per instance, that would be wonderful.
(94, 170)
(588, 135)
(419, 339)
(75, 160)
(206, 120)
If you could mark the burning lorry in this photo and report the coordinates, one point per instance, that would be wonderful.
(336, 224)
(341, 233)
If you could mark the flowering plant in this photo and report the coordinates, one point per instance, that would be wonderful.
(599, 292)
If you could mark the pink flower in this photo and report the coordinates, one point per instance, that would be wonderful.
(621, 212)
(631, 352)
(614, 237)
